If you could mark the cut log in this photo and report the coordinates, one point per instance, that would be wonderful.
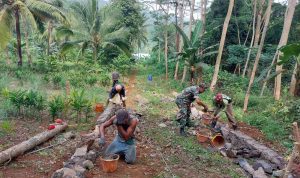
(239, 141)
(19, 149)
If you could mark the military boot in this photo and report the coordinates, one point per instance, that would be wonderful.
(182, 132)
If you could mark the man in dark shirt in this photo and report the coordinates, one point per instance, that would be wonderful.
(184, 101)
(124, 142)
(117, 95)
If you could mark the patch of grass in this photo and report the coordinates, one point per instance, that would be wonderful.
(6, 127)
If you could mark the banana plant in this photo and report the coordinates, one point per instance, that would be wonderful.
(192, 45)
(292, 52)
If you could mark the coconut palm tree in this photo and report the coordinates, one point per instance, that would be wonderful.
(96, 29)
(29, 10)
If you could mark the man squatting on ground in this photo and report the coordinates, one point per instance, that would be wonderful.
(124, 142)
(221, 102)
(184, 101)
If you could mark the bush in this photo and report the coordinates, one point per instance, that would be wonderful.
(56, 106)
(78, 102)
(57, 79)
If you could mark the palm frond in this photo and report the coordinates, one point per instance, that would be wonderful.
(63, 31)
(120, 45)
(26, 13)
(185, 39)
(196, 31)
(5, 26)
(46, 10)
(66, 46)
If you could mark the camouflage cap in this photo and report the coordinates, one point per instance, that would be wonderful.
(115, 75)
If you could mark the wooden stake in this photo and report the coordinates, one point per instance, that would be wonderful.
(296, 132)
(293, 156)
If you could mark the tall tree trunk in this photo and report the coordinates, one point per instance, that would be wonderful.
(262, 40)
(166, 42)
(297, 87)
(203, 15)
(257, 30)
(238, 28)
(27, 43)
(50, 28)
(18, 31)
(191, 18)
(283, 40)
(258, 22)
(159, 51)
(179, 48)
(95, 52)
(218, 61)
(293, 81)
(268, 74)
(252, 39)
(190, 36)
(7, 56)
(246, 39)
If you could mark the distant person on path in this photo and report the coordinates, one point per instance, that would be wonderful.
(221, 102)
(124, 142)
(184, 101)
(115, 78)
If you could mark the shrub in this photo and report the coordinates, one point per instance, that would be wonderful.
(18, 99)
(57, 79)
(56, 106)
(78, 102)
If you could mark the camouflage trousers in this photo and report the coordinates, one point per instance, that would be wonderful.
(183, 115)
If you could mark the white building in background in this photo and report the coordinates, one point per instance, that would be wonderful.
(141, 55)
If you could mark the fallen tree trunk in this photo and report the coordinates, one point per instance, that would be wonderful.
(241, 141)
(19, 149)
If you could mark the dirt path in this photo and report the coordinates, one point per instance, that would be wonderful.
(145, 166)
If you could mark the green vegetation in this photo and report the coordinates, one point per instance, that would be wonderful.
(71, 48)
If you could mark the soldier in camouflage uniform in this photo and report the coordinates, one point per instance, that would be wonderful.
(184, 101)
(221, 102)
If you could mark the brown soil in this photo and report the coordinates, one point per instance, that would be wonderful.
(150, 158)
(38, 165)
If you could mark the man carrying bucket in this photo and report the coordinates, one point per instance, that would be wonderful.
(221, 102)
(184, 101)
(124, 142)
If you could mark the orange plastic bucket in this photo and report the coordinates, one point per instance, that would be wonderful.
(218, 141)
(110, 163)
(99, 107)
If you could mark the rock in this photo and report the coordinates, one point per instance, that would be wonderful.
(79, 169)
(228, 146)
(69, 135)
(92, 156)
(88, 164)
(68, 173)
(58, 174)
(278, 173)
(266, 166)
(80, 152)
(162, 125)
(260, 173)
